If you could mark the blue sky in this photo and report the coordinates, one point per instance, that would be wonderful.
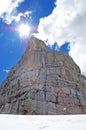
(62, 23)
(12, 46)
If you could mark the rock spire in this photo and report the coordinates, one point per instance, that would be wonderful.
(43, 82)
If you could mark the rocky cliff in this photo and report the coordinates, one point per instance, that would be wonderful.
(43, 82)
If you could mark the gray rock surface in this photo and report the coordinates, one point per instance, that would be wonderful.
(43, 82)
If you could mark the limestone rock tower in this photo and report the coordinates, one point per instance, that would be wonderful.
(43, 82)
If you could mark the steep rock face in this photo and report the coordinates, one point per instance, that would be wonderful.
(43, 82)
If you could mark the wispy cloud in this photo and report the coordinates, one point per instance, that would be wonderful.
(67, 23)
(6, 70)
(8, 11)
(9, 18)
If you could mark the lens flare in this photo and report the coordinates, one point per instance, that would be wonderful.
(24, 30)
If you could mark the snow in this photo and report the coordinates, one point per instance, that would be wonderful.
(59, 122)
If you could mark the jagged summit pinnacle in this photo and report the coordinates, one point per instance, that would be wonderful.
(35, 54)
(36, 44)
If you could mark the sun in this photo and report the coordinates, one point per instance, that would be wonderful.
(24, 30)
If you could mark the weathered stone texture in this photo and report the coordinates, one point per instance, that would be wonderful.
(43, 82)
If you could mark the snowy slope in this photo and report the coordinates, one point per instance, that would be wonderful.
(63, 122)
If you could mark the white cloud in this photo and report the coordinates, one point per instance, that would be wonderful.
(67, 23)
(8, 11)
(9, 18)
(6, 70)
